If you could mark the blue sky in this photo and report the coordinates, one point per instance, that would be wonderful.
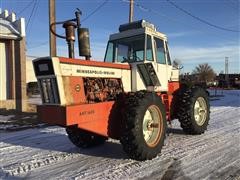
(190, 41)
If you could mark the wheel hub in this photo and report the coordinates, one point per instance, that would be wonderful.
(200, 111)
(152, 127)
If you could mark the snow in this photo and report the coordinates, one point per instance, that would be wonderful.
(4, 122)
(35, 99)
(46, 153)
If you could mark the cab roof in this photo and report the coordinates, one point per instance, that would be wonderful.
(137, 28)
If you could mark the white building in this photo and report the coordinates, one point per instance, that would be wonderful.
(30, 76)
(12, 62)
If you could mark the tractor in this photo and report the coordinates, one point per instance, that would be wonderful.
(129, 97)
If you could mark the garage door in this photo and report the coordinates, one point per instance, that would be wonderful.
(3, 67)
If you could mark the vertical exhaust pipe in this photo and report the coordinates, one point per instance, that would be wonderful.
(83, 38)
(70, 37)
(84, 43)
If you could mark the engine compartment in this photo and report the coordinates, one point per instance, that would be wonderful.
(102, 89)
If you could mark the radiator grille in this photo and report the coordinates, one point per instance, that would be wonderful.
(49, 91)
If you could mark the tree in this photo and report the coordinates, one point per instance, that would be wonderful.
(204, 73)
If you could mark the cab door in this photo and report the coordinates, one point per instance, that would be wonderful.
(161, 63)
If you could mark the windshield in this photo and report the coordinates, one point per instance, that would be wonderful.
(129, 49)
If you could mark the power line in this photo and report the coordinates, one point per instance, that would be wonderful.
(29, 19)
(39, 45)
(232, 1)
(148, 10)
(199, 19)
(233, 5)
(84, 19)
(33, 17)
(145, 9)
(94, 11)
(27, 6)
(34, 14)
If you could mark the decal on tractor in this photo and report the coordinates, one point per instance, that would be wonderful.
(84, 113)
(95, 72)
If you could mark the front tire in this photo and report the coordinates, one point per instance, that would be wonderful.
(194, 112)
(144, 126)
(84, 139)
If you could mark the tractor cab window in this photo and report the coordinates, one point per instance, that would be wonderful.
(149, 53)
(130, 49)
(160, 53)
(122, 52)
(168, 55)
(109, 53)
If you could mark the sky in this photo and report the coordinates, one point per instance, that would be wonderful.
(199, 31)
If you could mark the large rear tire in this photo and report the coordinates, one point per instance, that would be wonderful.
(84, 139)
(144, 126)
(194, 112)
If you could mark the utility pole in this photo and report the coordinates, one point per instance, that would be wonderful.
(226, 71)
(52, 19)
(131, 11)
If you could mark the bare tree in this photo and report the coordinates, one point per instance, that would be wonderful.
(204, 73)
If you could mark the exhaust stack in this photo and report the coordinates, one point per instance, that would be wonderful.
(83, 38)
(70, 36)
(84, 43)
(82, 33)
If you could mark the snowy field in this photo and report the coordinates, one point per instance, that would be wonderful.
(46, 153)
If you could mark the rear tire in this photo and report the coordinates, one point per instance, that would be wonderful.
(144, 127)
(84, 139)
(194, 112)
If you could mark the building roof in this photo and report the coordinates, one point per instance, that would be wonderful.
(10, 27)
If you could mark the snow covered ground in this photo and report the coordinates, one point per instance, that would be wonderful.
(46, 153)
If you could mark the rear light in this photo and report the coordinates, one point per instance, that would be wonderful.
(49, 90)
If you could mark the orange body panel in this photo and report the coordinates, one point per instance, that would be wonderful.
(93, 63)
(74, 90)
(92, 117)
(77, 90)
(173, 86)
(167, 98)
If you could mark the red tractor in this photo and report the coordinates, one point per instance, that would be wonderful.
(130, 96)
